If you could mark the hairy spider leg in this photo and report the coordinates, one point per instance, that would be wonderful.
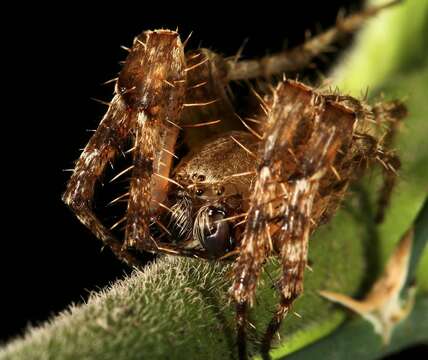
(298, 116)
(300, 57)
(390, 165)
(103, 146)
(362, 150)
(331, 130)
(373, 140)
(155, 62)
(145, 107)
(390, 113)
(153, 83)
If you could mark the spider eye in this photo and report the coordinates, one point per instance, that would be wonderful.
(216, 238)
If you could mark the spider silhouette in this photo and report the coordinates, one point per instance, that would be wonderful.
(252, 185)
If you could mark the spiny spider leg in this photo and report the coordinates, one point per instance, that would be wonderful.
(391, 113)
(153, 83)
(388, 184)
(102, 147)
(149, 98)
(255, 246)
(372, 150)
(332, 128)
(293, 253)
(282, 225)
(383, 118)
(300, 57)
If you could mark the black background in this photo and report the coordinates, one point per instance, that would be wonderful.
(61, 58)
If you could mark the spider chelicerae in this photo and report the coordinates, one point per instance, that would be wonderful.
(249, 185)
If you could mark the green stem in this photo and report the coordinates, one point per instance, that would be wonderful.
(179, 308)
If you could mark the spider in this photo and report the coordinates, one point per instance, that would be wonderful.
(251, 185)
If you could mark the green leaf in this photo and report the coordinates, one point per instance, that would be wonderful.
(356, 339)
(178, 308)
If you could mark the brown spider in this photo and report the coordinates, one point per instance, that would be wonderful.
(258, 187)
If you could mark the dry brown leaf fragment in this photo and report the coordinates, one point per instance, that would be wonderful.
(383, 306)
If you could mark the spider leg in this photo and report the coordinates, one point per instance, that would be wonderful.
(292, 244)
(292, 241)
(149, 93)
(154, 80)
(255, 245)
(146, 189)
(390, 165)
(301, 56)
(385, 192)
(206, 83)
(384, 118)
(391, 113)
(372, 141)
(275, 324)
(102, 147)
(241, 320)
(186, 85)
(282, 223)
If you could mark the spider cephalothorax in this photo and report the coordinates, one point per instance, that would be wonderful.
(216, 182)
(254, 184)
